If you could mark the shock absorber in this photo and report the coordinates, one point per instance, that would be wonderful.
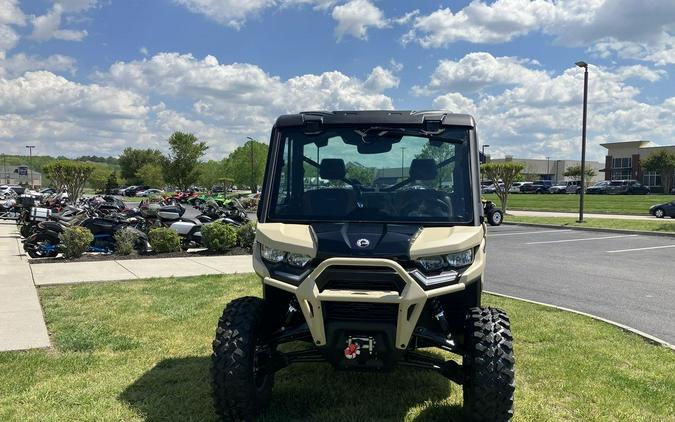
(439, 315)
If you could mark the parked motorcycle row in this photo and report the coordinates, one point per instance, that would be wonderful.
(41, 220)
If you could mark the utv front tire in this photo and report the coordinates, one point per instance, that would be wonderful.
(488, 363)
(240, 390)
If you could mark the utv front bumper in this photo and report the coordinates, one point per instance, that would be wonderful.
(408, 302)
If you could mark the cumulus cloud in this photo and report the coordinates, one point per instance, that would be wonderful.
(10, 16)
(19, 63)
(232, 13)
(355, 17)
(477, 71)
(131, 103)
(47, 26)
(642, 30)
(540, 114)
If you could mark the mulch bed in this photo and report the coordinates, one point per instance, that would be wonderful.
(112, 257)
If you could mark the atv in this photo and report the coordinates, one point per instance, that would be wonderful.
(494, 214)
(370, 246)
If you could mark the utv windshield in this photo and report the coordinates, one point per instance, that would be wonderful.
(372, 174)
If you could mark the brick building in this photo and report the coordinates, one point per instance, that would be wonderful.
(623, 161)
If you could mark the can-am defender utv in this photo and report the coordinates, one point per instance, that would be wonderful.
(371, 245)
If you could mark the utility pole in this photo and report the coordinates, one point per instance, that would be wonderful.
(254, 188)
(30, 163)
(584, 65)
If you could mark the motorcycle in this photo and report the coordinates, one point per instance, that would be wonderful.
(45, 241)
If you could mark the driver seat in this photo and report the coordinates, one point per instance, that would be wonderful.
(330, 202)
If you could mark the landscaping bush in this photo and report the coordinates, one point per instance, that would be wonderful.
(246, 235)
(125, 240)
(219, 237)
(75, 241)
(164, 240)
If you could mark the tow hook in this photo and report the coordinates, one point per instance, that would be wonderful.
(356, 344)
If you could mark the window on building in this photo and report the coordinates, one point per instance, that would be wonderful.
(651, 178)
(621, 174)
(622, 163)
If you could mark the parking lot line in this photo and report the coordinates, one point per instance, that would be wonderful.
(581, 240)
(642, 249)
(537, 232)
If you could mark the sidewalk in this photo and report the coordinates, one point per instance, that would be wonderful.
(587, 215)
(22, 325)
(130, 269)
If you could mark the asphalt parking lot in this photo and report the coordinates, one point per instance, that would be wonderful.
(626, 278)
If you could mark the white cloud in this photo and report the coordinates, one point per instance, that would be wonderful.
(638, 30)
(46, 27)
(134, 103)
(19, 63)
(10, 15)
(355, 17)
(477, 71)
(232, 13)
(540, 115)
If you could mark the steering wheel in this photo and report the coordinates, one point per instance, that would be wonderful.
(426, 203)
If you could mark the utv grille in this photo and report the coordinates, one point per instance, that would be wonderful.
(360, 311)
(360, 278)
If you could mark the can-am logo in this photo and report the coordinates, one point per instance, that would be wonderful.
(362, 243)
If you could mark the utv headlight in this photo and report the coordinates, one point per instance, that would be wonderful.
(460, 259)
(271, 254)
(431, 263)
(298, 260)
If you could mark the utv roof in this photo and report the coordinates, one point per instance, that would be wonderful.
(375, 117)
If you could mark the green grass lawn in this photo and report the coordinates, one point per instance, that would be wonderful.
(132, 351)
(606, 204)
(667, 225)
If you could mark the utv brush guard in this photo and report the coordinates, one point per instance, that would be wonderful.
(368, 261)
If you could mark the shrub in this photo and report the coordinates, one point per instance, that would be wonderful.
(164, 240)
(75, 241)
(219, 237)
(125, 240)
(246, 235)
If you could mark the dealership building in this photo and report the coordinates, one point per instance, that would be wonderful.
(547, 169)
(623, 161)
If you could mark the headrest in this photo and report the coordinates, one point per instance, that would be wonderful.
(332, 169)
(423, 169)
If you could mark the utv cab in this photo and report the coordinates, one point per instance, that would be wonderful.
(370, 244)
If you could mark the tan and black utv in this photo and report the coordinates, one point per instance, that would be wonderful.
(370, 245)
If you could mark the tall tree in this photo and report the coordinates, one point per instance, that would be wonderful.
(211, 173)
(98, 178)
(186, 151)
(575, 172)
(111, 183)
(246, 164)
(506, 173)
(151, 174)
(663, 162)
(133, 159)
(71, 175)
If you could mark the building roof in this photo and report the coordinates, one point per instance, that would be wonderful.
(634, 144)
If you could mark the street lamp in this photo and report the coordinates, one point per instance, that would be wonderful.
(30, 162)
(548, 167)
(253, 189)
(584, 65)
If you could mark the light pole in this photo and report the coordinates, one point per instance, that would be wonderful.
(402, 157)
(30, 162)
(582, 192)
(253, 189)
(548, 167)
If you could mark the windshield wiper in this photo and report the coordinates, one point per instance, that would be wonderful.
(388, 131)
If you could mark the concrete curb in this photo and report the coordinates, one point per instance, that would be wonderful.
(591, 229)
(650, 338)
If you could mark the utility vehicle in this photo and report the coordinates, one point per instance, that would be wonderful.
(370, 245)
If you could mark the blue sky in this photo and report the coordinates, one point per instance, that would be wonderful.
(95, 76)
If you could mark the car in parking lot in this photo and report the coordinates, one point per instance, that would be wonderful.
(132, 190)
(541, 186)
(663, 210)
(492, 188)
(627, 187)
(599, 188)
(150, 192)
(515, 186)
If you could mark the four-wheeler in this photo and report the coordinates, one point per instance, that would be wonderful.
(492, 213)
(663, 210)
(365, 270)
